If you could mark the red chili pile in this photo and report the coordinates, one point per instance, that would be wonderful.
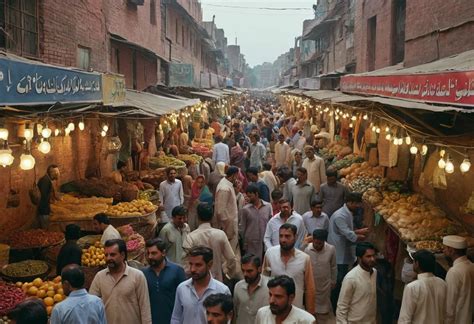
(10, 296)
(35, 238)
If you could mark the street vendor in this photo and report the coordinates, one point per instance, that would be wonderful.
(119, 174)
(47, 194)
(102, 224)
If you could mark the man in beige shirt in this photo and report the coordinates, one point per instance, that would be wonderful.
(123, 289)
(315, 167)
(216, 239)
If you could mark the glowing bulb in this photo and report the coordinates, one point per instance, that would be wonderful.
(374, 128)
(71, 126)
(413, 150)
(103, 133)
(46, 132)
(424, 149)
(442, 153)
(351, 125)
(377, 130)
(441, 163)
(465, 165)
(330, 114)
(27, 162)
(67, 131)
(337, 117)
(388, 137)
(6, 157)
(44, 147)
(56, 132)
(365, 117)
(28, 134)
(81, 126)
(353, 118)
(3, 134)
(105, 128)
(449, 168)
(408, 140)
(387, 129)
(39, 128)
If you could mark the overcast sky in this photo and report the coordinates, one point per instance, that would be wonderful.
(262, 34)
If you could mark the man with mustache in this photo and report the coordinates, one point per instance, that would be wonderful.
(163, 278)
(282, 293)
(251, 293)
(188, 305)
(123, 289)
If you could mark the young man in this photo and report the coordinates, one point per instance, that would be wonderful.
(47, 194)
(171, 195)
(190, 294)
(285, 259)
(323, 261)
(251, 293)
(287, 181)
(163, 278)
(219, 309)
(282, 152)
(174, 234)
(424, 300)
(220, 152)
(286, 215)
(119, 282)
(303, 192)
(101, 224)
(332, 193)
(32, 310)
(216, 239)
(256, 153)
(282, 294)
(276, 196)
(264, 192)
(253, 222)
(268, 177)
(79, 307)
(70, 252)
(315, 218)
(315, 167)
(459, 281)
(358, 299)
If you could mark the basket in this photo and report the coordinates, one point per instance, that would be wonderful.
(4, 254)
(29, 278)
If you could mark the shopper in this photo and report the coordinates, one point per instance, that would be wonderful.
(459, 281)
(332, 193)
(252, 176)
(282, 152)
(303, 192)
(315, 167)
(199, 193)
(29, 311)
(171, 195)
(216, 176)
(268, 177)
(174, 234)
(287, 182)
(101, 224)
(424, 300)
(70, 252)
(256, 153)
(220, 151)
(219, 308)
(357, 302)
(315, 218)
(47, 194)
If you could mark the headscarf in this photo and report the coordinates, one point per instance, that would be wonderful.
(202, 194)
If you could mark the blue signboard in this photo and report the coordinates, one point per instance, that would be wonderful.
(24, 83)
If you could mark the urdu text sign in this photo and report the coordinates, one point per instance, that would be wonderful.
(24, 83)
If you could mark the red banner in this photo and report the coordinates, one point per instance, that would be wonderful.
(455, 88)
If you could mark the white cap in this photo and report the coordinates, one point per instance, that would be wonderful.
(455, 241)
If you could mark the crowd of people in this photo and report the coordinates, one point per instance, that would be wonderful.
(264, 234)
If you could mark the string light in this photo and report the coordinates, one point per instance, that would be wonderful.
(413, 149)
(353, 118)
(81, 125)
(71, 126)
(105, 128)
(4, 134)
(449, 168)
(465, 165)
(351, 125)
(27, 161)
(103, 133)
(424, 149)
(377, 130)
(388, 137)
(67, 131)
(441, 163)
(408, 140)
(46, 132)
(365, 117)
(6, 157)
(28, 134)
(56, 132)
(44, 147)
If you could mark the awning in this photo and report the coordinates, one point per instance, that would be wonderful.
(217, 92)
(317, 27)
(232, 91)
(153, 105)
(205, 94)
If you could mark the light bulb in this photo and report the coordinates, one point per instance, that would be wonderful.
(337, 117)
(6, 157)
(399, 141)
(441, 163)
(56, 132)
(387, 129)
(28, 134)
(366, 117)
(377, 130)
(27, 162)
(353, 118)
(39, 128)
(67, 131)
(388, 137)
(442, 153)
(351, 125)
(413, 150)
(330, 114)
(424, 149)
(105, 128)
(81, 126)
(103, 133)
(465, 165)
(71, 126)
(44, 147)
(46, 132)
(408, 140)
(374, 128)
(449, 168)
(3, 134)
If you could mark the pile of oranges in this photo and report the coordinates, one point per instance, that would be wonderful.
(51, 292)
(93, 256)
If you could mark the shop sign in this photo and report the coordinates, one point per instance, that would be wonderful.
(181, 75)
(113, 89)
(23, 83)
(444, 88)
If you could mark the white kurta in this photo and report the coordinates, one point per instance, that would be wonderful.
(282, 154)
(424, 300)
(358, 298)
(296, 316)
(316, 171)
(460, 293)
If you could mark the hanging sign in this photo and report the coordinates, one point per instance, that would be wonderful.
(25, 83)
(113, 88)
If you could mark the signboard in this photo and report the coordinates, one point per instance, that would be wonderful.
(444, 88)
(113, 89)
(181, 75)
(23, 83)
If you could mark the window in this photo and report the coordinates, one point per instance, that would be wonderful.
(176, 30)
(371, 42)
(153, 12)
(164, 22)
(398, 36)
(19, 19)
(83, 58)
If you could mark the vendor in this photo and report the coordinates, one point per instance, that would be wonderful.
(47, 194)
(102, 224)
(70, 252)
(119, 174)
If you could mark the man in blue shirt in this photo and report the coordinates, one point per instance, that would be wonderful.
(263, 191)
(80, 307)
(163, 277)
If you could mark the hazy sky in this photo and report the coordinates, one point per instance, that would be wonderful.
(262, 34)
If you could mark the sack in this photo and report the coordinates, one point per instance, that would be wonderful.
(35, 195)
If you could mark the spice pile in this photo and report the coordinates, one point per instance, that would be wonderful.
(35, 238)
(10, 296)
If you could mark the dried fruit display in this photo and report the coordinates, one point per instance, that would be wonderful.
(134, 208)
(35, 238)
(27, 268)
(10, 296)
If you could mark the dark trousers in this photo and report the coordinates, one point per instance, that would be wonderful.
(342, 270)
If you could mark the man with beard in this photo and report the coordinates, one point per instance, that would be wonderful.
(282, 293)
(315, 167)
(219, 309)
(459, 280)
(47, 194)
(302, 193)
(163, 277)
(284, 259)
(174, 233)
(120, 282)
(358, 299)
(251, 293)
(188, 305)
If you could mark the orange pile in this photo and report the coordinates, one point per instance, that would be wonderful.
(51, 292)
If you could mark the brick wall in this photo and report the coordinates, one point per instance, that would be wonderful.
(66, 24)
(78, 155)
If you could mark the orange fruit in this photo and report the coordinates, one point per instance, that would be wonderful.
(49, 309)
(41, 293)
(32, 291)
(50, 293)
(19, 284)
(60, 291)
(58, 298)
(57, 279)
(37, 282)
(48, 301)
